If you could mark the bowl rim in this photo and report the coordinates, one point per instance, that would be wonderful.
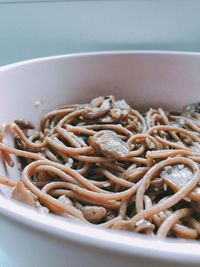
(99, 53)
(122, 243)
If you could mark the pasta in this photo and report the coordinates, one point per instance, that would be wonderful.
(108, 165)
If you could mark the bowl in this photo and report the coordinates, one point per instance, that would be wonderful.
(31, 88)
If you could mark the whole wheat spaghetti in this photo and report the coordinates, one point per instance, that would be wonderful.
(108, 165)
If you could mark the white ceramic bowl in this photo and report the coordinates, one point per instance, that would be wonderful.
(144, 79)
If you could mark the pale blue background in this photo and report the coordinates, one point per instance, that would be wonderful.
(39, 28)
(30, 29)
(5, 261)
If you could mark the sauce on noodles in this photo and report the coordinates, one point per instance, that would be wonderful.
(105, 163)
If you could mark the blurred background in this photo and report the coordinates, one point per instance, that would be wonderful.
(32, 28)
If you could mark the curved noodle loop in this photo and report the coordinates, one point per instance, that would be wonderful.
(106, 164)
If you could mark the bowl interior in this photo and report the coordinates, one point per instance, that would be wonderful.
(145, 80)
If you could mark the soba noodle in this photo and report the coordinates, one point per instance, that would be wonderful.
(108, 165)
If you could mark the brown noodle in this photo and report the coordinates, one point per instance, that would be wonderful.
(107, 164)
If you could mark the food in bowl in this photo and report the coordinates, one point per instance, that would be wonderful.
(107, 164)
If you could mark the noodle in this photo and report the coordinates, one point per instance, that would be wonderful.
(106, 164)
